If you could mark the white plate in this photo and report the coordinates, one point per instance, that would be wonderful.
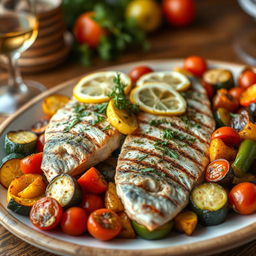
(233, 232)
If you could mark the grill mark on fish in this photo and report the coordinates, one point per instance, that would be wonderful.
(162, 127)
(198, 99)
(170, 146)
(192, 108)
(208, 127)
(152, 208)
(156, 167)
(167, 159)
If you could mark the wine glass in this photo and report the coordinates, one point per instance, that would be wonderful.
(18, 31)
(245, 40)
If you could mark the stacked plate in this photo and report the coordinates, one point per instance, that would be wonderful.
(53, 43)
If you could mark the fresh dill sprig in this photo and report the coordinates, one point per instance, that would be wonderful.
(101, 108)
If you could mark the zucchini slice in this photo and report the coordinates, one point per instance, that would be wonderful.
(10, 169)
(22, 142)
(65, 190)
(18, 208)
(210, 202)
(222, 117)
(219, 78)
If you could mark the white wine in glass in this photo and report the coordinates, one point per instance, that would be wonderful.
(18, 31)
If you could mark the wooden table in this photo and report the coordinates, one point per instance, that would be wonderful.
(211, 36)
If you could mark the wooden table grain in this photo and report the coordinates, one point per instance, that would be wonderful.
(211, 36)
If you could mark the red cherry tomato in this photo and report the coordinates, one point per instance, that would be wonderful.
(74, 221)
(179, 12)
(32, 164)
(104, 224)
(209, 88)
(88, 31)
(46, 213)
(228, 135)
(92, 202)
(138, 72)
(40, 143)
(236, 92)
(196, 65)
(247, 78)
(92, 181)
(242, 198)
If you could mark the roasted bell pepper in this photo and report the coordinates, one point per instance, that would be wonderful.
(225, 100)
(218, 150)
(127, 229)
(248, 96)
(222, 117)
(186, 222)
(112, 200)
(158, 233)
(245, 157)
(249, 131)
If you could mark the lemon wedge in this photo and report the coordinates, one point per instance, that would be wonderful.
(120, 119)
(175, 80)
(158, 99)
(96, 87)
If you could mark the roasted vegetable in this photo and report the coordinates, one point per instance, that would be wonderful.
(127, 229)
(240, 120)
(158, 233)
(40, 126)
(32, 164)
(247, 78)
(112, 200)
(10, 169)
(65, 190)
(225, 100)
(108, 168)
(22, 142)
(186, 222)
(248, 96)
(219, 171)
(218, 150)
(248, 177)
(222, 117)
(52, 103)
(248, 132)
(236, 92)
(245, 157)
(228, 135)
(92, 202)
(210, 202)
(18, 208)
(219, 78)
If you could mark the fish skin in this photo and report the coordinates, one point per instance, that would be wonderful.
(153, 186)
(83, 146)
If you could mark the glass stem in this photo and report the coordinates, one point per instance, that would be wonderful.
(15, 81)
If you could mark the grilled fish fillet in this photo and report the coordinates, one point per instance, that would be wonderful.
(160, 164)
(77, 138)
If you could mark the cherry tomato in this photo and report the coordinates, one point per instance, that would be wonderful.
(147, 14)
(196, 65)
(46, 213)
(104, 224)
(92, 202)
(247, 78)
(242, 198)
(88, 31)
(138, 72)
(179, 12)
(74, 221)
(223, 99)
(209, 88)
(92, 181)
(228, 135)
(40, 143)
(236, 92)
(32, 164)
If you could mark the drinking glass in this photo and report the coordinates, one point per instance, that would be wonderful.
(18, 31)
(245, 41)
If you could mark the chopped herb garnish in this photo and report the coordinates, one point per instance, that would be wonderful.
(157, 122)
(169, 134)
(99, 119)
(106, 128)
(72, 124)
(148, 170)
(163, 147)
(119, 97)
(142, 158)
(80, 108)
(139, 141)
(101, 108)
(189, 123)
(233, 115)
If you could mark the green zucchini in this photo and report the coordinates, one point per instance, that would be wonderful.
(65, 190)
(18, 208)
(22, 142)
(222, 117)
(10, 169)
(219, 78)
(210, 202)
(158, 233)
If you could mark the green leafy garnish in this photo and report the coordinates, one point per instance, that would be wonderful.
(99, 119)
(101, 108)
(170, 134)
(163, 147)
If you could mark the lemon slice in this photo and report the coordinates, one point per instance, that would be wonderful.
(158, 99)
(95, 88)
(176, 80)
(120, 119)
